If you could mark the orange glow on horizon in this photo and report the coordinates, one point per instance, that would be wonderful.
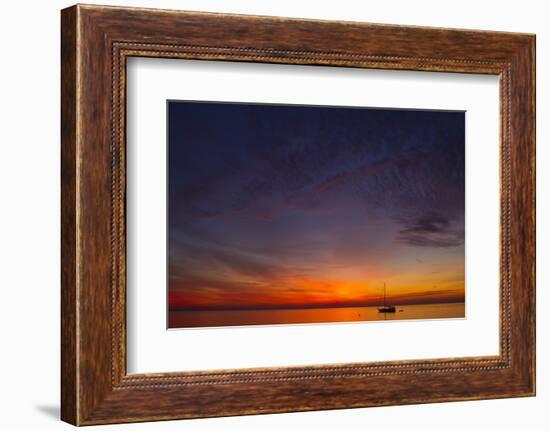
(299, 291)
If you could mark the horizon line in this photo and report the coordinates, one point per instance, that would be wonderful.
(302, 307)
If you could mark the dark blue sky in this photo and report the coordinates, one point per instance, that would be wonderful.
(283, 205)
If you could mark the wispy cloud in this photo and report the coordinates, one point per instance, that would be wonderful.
(431, 230)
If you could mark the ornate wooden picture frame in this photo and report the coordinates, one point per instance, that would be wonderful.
(96, 41)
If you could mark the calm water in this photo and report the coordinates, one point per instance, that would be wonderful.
(195, 319)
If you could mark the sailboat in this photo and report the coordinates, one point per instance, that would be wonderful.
(386, 308)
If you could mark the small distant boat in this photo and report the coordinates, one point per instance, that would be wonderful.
(386, 308)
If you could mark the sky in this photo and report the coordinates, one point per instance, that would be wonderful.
(292, 206)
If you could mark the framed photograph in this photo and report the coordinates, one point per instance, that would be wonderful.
(265, 214)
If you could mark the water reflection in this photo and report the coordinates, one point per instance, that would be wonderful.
(195, 319)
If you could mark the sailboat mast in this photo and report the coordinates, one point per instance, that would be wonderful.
(384, 293)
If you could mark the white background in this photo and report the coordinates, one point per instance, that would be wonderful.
(29, 228)
(151, 348)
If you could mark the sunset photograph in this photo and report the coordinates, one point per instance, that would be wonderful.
(296, 214)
